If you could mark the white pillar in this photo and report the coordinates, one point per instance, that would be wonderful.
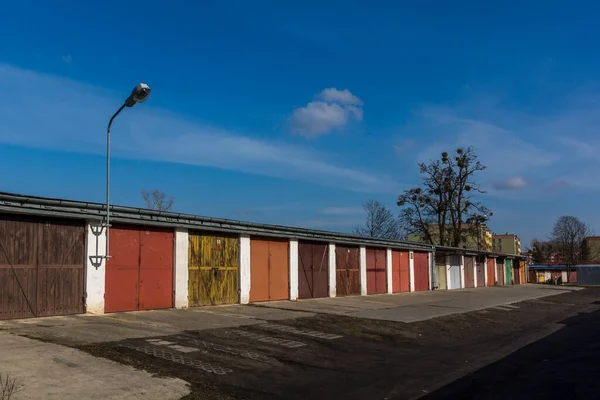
(496, 272)
(182, 245)
(95, 273)
(388, 271)
(431, 266)
(448, 272)
(293, 269)
(485, 273)
(363, 270)
(474, 271)
(245, 282)
(411, 270)
(332, 273)
(462, 272)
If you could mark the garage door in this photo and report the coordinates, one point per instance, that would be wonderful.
(400, 271)
(469, 272)
(376, 274)
(480, 271)
(139, 274)
(508, 271)
(454, 272)
(440, 265)
(41, 267)
(491, 265)
(313, 270)
(500, 270)
(421, 269)
(269, 269)
(347, 269)
(213, 266)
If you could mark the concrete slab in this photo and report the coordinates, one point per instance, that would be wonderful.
(51, 371)
(77, 330)
(411, 307)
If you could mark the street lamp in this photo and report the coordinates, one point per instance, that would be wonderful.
(139, 94)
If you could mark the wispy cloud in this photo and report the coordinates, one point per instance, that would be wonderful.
(67, 59)
(515, 182)
(406, 145)
(72, 116)
(331, 110)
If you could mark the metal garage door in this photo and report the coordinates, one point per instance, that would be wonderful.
(480, 271)
(376, 274)
(421, 269)
(269, 269)
(41, 266)
(454, 273)
(440, 265)
(508, 271)
(347, 260)
(500, 271)
(213, 266)
(400, 271)
(491, 265)
(139, 274)
(469, 272)
(313, 270)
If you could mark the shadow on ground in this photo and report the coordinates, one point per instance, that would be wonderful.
(563, 365)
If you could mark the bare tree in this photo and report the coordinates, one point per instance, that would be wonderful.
(380, 223)
(157, 200)
(444, 210)
(568, 235)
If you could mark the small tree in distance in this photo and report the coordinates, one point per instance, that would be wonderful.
(568, 235)
(380, 223)
(157, 200)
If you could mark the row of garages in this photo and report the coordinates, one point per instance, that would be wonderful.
(50, 266)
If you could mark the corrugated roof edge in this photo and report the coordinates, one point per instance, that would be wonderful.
(16, 203)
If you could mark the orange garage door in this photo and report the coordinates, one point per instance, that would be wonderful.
(139, 274)
(400, 273)
(269, 273)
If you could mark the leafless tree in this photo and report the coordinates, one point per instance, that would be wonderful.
(381, 222)
(157, 200)
(541, 251)
(9, 387)
(444, 210)
(568, 235)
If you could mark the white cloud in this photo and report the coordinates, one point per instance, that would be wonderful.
(68, 115)
(515, 182)
(332, 110)
(68, 59)
(334, 95)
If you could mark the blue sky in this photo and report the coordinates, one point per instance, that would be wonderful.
(296, 112)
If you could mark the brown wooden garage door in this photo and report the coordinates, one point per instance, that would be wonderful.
(139, 274)
(500, 270)
(376, 274)
(213, 267)
(347, 260)
(491, 267)
(480, 270)
(469, 272)
(41, 267)
(313, 270)
(269, 269)
(421, 268)
(400, 271)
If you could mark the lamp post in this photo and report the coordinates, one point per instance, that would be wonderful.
(139, 94)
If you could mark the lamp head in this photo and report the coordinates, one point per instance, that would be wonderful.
(139, 94)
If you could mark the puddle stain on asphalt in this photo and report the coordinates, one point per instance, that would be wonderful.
(296, 331)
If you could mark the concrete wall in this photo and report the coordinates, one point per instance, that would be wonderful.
(363, 270)
(293, 269)
(332, 275)
(181, 273)
(95, 274)
(245, 267)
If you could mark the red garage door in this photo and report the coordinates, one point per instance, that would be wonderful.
(469, 272)
(313, 270)
(491, 265)
(347, 261)
(480, 271)
(269, 269)
(376, 276)
(139, 274)
(400, 274)
(421, 269)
